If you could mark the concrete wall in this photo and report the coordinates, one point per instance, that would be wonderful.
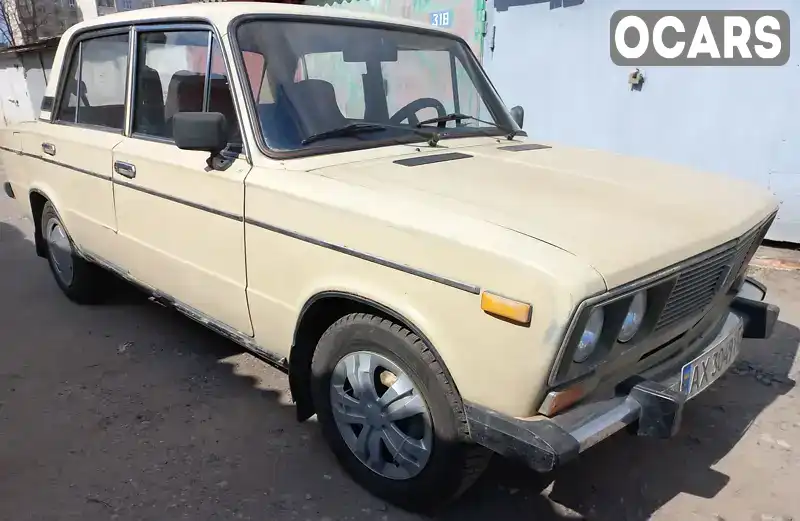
(552, 57)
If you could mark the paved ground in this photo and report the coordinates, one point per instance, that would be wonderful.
(132, 412)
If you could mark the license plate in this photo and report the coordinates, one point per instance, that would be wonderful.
(706, 368)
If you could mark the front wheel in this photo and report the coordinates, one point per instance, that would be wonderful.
(391, 416)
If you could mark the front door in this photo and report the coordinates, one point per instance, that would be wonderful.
(180, 221)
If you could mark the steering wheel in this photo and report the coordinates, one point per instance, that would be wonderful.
(409, 112)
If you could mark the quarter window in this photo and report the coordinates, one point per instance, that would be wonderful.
(94, 93)
(174, 74)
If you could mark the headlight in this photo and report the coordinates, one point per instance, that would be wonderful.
(633, 320)
(590, 336)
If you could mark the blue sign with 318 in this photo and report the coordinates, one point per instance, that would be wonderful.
(442, 18)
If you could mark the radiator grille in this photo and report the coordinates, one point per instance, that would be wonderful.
(698, 284)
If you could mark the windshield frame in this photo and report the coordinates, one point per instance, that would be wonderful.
(483, 84)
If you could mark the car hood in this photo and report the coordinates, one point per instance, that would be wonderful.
(626, 217)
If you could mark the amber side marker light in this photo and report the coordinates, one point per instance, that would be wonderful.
(507, 309)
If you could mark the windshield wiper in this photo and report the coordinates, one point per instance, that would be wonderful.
(360, 128)
(348, 130)
(455, 116)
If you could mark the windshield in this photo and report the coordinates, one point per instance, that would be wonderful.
(323, 77)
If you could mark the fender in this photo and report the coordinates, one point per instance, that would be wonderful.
(300, 357)
(37, 222)
(48, 193)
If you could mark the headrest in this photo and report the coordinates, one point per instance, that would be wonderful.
(184, 94)
(149, 90)
(313, 103)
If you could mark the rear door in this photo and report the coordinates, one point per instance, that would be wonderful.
(74, 158)
(181, 221)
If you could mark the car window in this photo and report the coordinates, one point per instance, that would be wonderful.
(171, 77)
(220, 98)
(321, 77)
(254, 67)
(419, 73)
(345, 78)
(94, 93)
(467, 96)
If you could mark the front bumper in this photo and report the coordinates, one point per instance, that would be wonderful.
(648, 407)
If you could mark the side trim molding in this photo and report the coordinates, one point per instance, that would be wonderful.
(463, 286)
(469, 288)
(178, 200)
(59, 163)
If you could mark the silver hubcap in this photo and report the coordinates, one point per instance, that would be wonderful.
(60, 250)
(381, 415)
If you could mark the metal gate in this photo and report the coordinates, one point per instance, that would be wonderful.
(16, 102)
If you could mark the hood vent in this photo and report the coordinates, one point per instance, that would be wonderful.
(523, 147)
(434, 158)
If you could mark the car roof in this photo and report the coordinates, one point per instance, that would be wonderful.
(221, 13)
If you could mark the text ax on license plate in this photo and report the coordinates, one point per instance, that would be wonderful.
(706, 368)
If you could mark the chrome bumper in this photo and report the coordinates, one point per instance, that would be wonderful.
(651, 407)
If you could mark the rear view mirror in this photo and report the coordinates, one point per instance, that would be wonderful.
(207, 131)
(369, 51)
(518, 113)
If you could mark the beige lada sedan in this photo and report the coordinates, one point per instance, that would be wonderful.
(348, 197)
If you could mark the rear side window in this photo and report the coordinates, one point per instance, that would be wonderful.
(94, 93)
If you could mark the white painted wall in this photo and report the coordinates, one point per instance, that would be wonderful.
(552, 57)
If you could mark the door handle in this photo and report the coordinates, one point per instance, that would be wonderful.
(125, 169)
(49, 149)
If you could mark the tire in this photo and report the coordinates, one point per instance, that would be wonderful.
(452, 464)
(81, 281)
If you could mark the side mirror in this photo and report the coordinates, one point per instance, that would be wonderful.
(518, 113)
(207, 131)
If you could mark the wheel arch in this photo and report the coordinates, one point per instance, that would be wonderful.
(38, 198)
(317, 314)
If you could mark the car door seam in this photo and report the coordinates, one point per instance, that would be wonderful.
(244, 246)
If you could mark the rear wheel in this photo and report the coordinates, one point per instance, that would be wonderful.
(81, 281)
(390, 414)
